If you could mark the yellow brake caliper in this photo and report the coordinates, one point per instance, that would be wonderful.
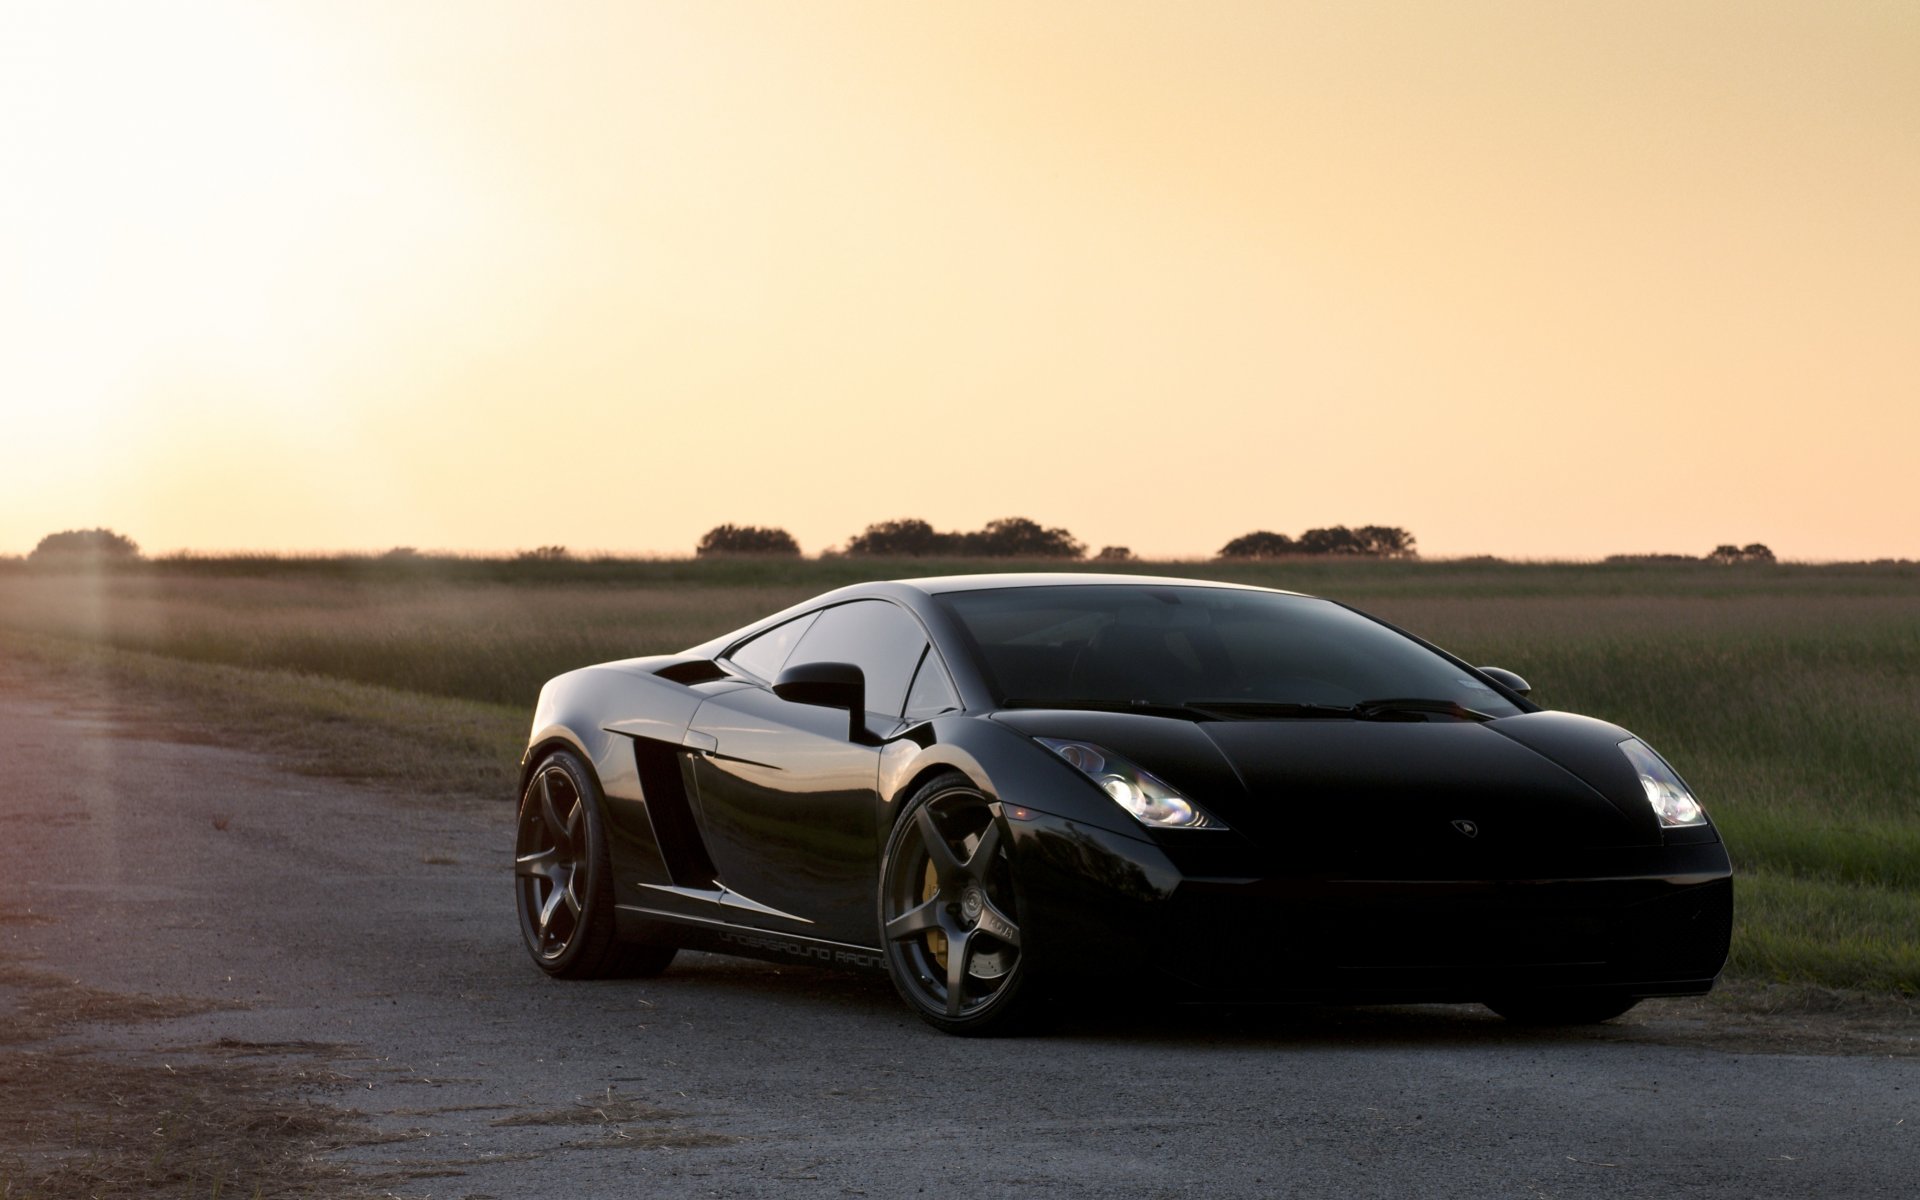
(936, 940)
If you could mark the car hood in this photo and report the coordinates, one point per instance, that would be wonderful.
(1320, 793)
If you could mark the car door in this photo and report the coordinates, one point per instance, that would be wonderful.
(787, 799)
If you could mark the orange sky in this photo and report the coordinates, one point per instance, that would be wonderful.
(1544, 280)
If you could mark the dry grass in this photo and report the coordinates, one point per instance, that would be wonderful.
(43, 1004)
(490, 643)
(651, 1139)
(622, 1124)
(82, 1125)
(1748, 1016)
(200, 1123)
(420, 746)
(602, 1110)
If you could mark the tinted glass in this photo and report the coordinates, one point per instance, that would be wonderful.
(875, 636)
(765, 654)
(932, 692)
(1169, 645)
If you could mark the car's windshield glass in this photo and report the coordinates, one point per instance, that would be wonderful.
(1174, 645)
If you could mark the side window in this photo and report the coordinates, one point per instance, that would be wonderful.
(766, 653)
(880, 639)
(932, 692)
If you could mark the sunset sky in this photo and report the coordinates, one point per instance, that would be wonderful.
(1550, 280)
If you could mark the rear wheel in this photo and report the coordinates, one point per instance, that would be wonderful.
(563, 878)
(950, 912)
(1562, 1008)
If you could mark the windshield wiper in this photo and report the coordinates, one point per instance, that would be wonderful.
(1375, 710)
(1152, 708)
(1395, 709)
(1275, 709)
(1366, 710)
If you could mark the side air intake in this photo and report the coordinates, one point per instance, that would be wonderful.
(690, 671)
(664, 788)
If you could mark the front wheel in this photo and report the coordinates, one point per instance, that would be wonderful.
(950, 913)
(1562, 1008)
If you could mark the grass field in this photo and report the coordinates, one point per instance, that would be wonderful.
(1788, 695)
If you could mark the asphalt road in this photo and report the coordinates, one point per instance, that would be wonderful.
(381, 929)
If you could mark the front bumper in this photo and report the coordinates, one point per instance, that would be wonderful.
(1648, 921)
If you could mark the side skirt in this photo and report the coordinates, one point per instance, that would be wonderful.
(724, 937)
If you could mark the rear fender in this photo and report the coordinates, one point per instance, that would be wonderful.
(598, 712)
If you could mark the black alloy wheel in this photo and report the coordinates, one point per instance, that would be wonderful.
(563, 881)
(950, 913)
(1574, 1006)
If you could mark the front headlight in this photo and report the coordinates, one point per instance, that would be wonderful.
(1672, 802)
(1150, 801)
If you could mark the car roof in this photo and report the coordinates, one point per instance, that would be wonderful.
(936, 584)
(906, 590)
(918, 595)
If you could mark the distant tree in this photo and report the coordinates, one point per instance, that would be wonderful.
(1754, 552)
(1009, 537)
(102, 545)
(401, 554)
(746, 539)
(907, 537)
(1651, 558)
(1335, 539)
(1369, 541)
(1385, 541)
(1259, 544)
(1019, 537)
(1114, 554)
(544, 554)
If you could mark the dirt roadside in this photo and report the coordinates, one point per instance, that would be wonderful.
(221, 977)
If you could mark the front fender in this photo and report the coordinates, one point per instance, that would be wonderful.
(1089, 875)
(1005, 764)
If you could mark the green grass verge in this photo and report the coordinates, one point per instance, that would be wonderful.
(430, 747)
(1817, 931)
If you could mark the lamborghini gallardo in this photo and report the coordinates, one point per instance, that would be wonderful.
(1004, 790)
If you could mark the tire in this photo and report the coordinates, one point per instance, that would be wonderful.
(1562, 1008)
(563, 879)
(949, 913)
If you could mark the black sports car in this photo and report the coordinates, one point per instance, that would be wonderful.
(1002, 787)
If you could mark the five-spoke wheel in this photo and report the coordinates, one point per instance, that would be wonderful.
(562, 879)
(548, 861)
(949, 913)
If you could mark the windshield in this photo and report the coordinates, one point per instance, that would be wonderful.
(1144, 645)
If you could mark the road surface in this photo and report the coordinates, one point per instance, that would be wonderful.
(374, 934)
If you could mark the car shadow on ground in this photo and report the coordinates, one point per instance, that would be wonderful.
(821, 998)
(1739, 1018)
(1325, 1026)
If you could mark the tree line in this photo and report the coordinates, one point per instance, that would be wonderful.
(1368, 541)
(1022, 537)
(910, 537)
(1726, 554)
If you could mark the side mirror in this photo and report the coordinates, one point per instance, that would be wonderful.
(829, 685)
(1507, 679)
